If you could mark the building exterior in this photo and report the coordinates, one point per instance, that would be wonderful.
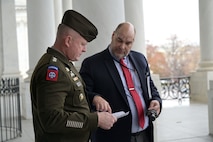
(31, 27)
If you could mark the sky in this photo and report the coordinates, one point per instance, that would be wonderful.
(163, 18)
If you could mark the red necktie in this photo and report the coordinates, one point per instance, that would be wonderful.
(133, 92)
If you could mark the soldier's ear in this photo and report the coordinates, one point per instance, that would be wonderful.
(68, 40)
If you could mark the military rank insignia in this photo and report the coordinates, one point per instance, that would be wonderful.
(81, 97)
(52, 73)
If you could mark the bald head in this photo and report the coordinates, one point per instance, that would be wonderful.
(122, 40)
(126, 27)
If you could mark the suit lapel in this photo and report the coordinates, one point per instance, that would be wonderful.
(141, 74)
(114, 74)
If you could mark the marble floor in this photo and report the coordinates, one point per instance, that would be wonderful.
(183, 121)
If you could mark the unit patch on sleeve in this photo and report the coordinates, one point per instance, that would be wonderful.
(52, 73)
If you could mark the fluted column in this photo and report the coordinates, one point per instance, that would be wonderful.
(41, 28)
(57, 12)
(9, 65)
(199, 81)
(41, 34)
(206, 61)
(66, 4)
(60, 6)
(105, 15)
(1, 46)
(206, 35)
(134, 14)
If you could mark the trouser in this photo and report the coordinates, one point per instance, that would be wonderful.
(140, 137)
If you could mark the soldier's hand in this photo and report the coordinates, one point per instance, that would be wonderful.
(101, 104)
(106, 120)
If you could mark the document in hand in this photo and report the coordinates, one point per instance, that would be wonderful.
(120, 114)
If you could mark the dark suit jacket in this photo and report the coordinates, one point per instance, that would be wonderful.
(102, 78)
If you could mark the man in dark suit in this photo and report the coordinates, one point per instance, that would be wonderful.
(108, 89)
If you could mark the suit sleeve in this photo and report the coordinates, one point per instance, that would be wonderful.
(143, 67)
(151, 88)
(87, 73)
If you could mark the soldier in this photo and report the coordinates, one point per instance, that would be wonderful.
(60, 108)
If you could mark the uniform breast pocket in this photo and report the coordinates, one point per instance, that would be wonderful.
(79, 97)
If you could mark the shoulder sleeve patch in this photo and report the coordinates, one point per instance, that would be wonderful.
(52, 73)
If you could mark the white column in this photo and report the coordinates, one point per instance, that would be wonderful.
(205, 70)
(105, 15)
(134, 14)
(206, 34)
(66, 4)
(57, 12)
(22, 38)
(8, 44)
(41, 34)
(60, 6)
(41, 28)
(1, 44)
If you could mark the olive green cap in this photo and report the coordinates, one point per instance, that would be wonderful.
(80, 24)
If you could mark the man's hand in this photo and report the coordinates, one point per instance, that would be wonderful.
(154, 104)
(106, 120)
(101, 104)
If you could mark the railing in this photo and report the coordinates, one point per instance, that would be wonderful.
(10, 115)
(175, 87)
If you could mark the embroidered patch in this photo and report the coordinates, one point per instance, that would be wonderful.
(52, 73)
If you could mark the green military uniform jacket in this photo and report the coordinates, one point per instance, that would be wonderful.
(60, 109)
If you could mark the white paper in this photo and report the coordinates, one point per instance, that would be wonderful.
(120, 114)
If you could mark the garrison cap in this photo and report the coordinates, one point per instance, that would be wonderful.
(80, 24)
